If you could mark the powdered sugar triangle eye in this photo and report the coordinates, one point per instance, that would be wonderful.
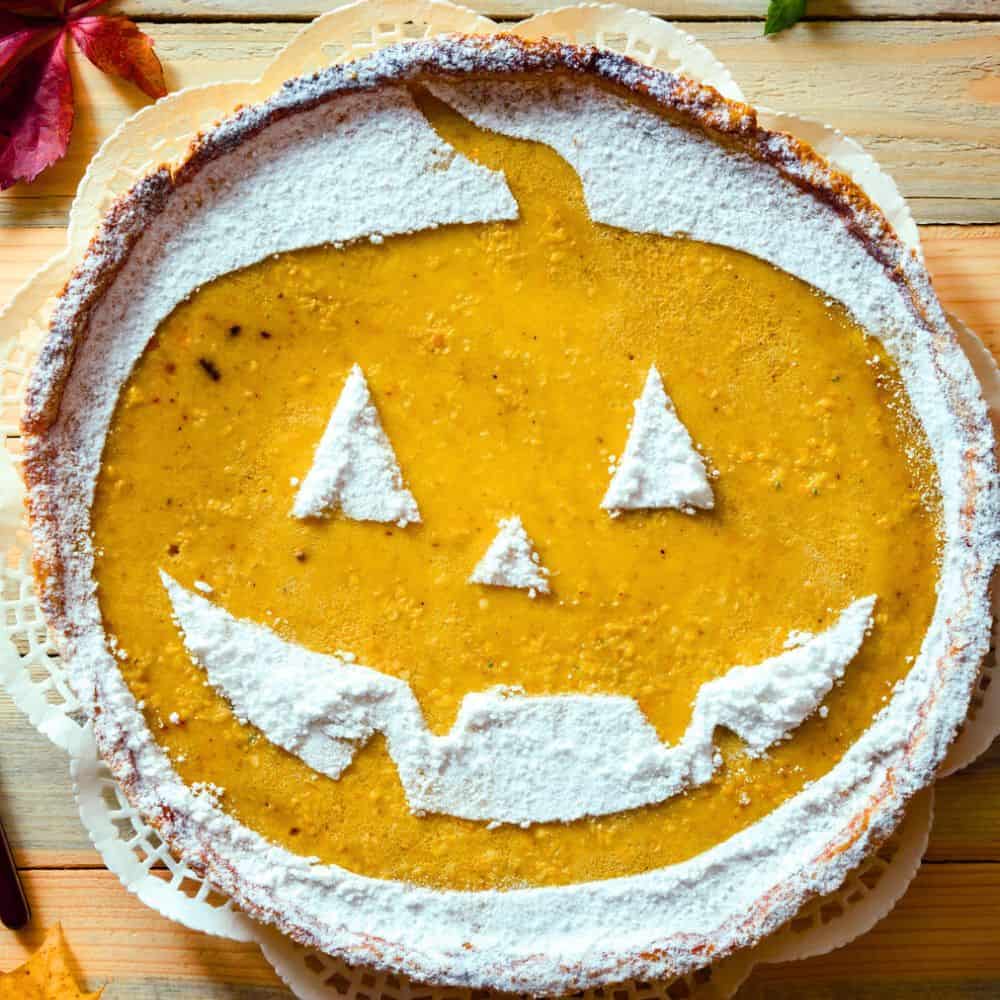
(355, 467)
(511, 561)
(660, 467)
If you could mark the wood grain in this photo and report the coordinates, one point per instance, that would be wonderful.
(36, 798)
(23, 251)
(943, 930)
(941, 936)
(967, 814)
(965, 265)
(872, 80)
(115, 936)
(943, 152)
(302, 10)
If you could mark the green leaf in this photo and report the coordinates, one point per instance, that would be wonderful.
(783, 14)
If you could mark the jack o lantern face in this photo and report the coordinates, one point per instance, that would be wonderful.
(503, 362)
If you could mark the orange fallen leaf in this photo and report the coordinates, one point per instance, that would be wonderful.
(46, 975)
(116, 45)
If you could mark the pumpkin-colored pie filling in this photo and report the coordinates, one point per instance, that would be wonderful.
(504, 360)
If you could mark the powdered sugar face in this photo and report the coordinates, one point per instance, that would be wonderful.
(660, 467)
(355, 467)
(511, 561)
(509, 758)
(544, 939)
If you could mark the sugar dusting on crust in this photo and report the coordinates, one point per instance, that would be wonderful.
(355, 468)
(542, 940)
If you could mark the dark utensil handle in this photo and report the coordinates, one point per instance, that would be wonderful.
(14, 909)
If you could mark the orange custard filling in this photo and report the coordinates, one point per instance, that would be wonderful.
(504, 360)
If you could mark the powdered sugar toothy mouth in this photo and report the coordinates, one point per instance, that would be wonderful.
(509, 758)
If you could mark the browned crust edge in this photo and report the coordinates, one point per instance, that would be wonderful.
(698, 105)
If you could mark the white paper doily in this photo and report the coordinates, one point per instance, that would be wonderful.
(31, 670)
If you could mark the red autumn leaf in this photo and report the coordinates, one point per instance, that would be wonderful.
(17, 42)
(116, 45)
(36, 114)
(36, 91)
(36, 8)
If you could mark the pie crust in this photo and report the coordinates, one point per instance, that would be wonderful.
(544, 940)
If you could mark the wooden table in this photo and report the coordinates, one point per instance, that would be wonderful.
(918, 82)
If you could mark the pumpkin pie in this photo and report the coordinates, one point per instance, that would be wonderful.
(510, 517)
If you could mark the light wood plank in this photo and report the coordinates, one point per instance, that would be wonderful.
(941, 940)
(945, 930)
(115, 937)
(870, 79)
(965, 265)
(967, 813)
(920, 97)
(22, 252)
(36, 797)
(676, 9)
